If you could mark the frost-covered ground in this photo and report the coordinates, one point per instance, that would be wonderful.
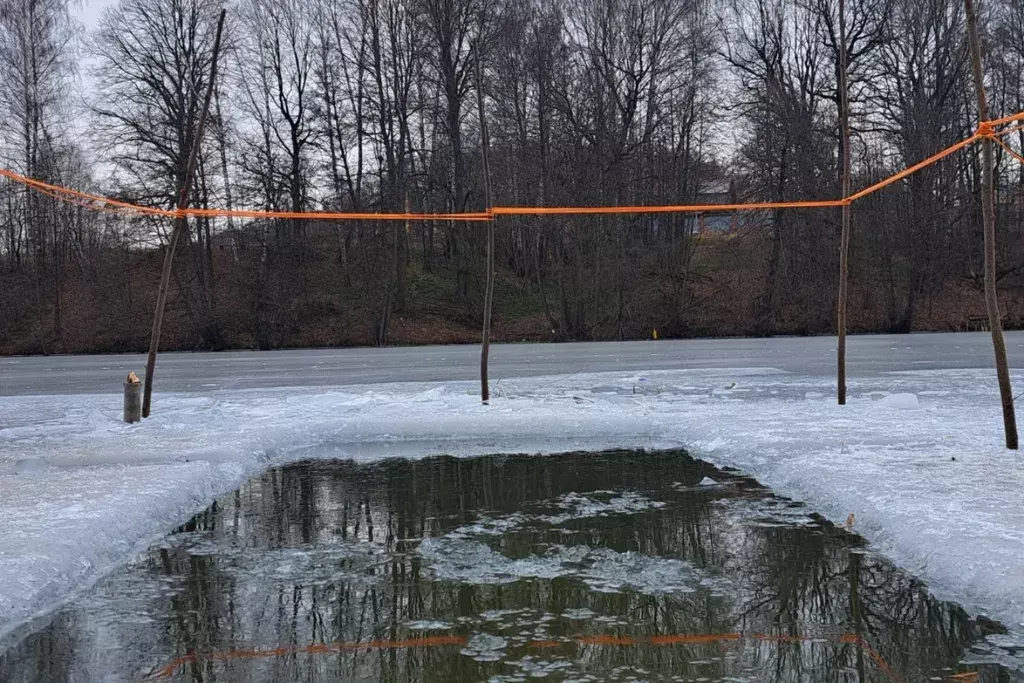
(925, 475)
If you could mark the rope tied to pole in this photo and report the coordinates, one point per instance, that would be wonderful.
(986, 129)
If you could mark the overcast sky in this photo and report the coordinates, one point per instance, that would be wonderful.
(90, 10)
(88, 13)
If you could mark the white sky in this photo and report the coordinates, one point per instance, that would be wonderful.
(89, 11)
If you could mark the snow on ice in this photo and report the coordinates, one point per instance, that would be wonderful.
(81, 492)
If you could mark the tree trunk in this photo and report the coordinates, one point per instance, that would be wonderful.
(180, 225)
(844, 240)
(485, 349)
(988, 210)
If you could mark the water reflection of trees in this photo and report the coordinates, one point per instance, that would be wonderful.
(393, 505)
(787, 579)
(798, 580)
(326, 552)
(44, 656)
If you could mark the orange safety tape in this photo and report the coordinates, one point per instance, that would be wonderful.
(1014, 129)
(69, 195)
(479, 216)
(915, 168)
(695, 639)
(1008, 119)
(1010, 150)
(97, 202)
(74, 201)
(854, 639)
(858, 640)
(986, 129)
(681, 208)
(606, 640)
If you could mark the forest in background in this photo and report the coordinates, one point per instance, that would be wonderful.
(370, 105)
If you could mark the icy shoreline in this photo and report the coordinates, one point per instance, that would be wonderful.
(81, 492)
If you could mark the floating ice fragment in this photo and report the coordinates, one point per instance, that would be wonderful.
(427, 625)
(484, 647)
(578, 613)
(901, 402)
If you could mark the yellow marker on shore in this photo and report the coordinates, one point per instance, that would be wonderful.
(655, 334)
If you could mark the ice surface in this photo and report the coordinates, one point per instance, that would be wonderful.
(540, 668)
(29, 466)
(901, 401)
(573, 506)
(604, 570)
(612, 572)
(427, 625)
(484, 647)
(96, 491)
(766, 512)
(475, 562)
(577, 506)
(578, 614)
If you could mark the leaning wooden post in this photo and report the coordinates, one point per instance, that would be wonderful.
(844, 240)
(988, 215)
(180, 224)
(485, 390)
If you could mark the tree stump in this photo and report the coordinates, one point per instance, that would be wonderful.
(132, 399)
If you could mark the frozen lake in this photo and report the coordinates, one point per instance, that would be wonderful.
(201, 372)
(917, 455)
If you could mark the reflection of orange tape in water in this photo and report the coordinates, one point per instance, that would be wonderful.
(854, 639)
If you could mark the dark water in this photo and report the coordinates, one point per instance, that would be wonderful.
(582, 567)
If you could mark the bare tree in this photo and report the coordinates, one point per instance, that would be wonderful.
(921, 101)
(155, 58)
(362, 105)
(393, 65)
(448, 27)
(153, 64)
(36, 70)
(778, 55)
(278, 54)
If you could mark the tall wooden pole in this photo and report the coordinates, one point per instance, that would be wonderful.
(844, 240)
(180, 224)
(485, 389)
(988, 215)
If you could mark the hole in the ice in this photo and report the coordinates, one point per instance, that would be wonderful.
(611, 566)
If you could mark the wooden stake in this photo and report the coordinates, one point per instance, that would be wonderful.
(844, 240)
(180, 224)
(132, 399)
(485, 390)
(988, 214)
